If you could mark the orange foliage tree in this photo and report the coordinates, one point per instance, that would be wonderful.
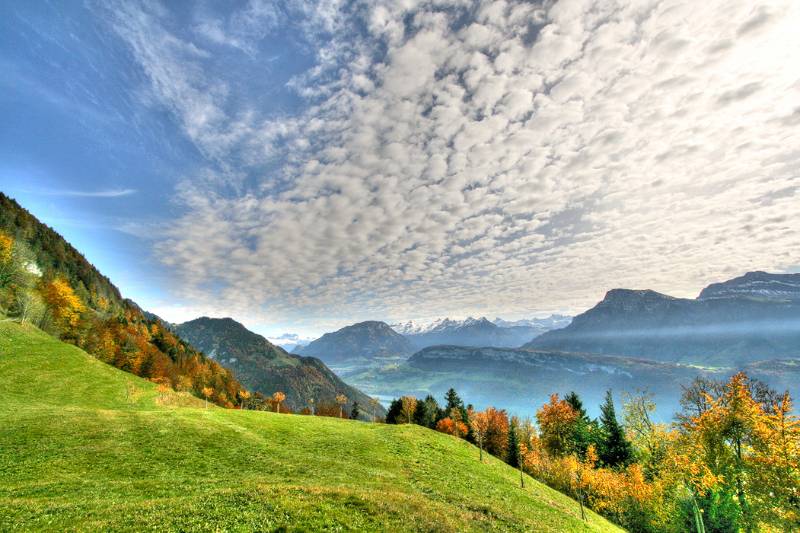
(556, 423)
(278, 398)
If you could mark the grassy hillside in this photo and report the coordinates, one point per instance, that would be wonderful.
(86, 446)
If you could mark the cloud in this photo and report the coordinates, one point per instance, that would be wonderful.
(108, 193)
(471, 158)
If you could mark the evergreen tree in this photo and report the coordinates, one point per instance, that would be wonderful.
(584, 431)
(395, 411)
(512, 451)
(354, 414)
(427, 412)
(575, 402)
(613, 448)
(453, 401)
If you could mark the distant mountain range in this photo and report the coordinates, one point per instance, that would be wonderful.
(289, 341)
(522, 380)
(750, 318)
(477, 331)
(266, 368)
(362, 342)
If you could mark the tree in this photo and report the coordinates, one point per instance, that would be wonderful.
(207, 392)
(374, 403)
(556, 425)
(243, 397)
(584, 430)
(409, 406)
(614, 449)
(278, 398)
(311, 406)
(341, 399)
(512, 448)
(395, 411)
(649, 440)
(496, 438)
(354, 414)
(63, 303)
(427, 412)
(452, 426)
(453, 401)
(480, 426)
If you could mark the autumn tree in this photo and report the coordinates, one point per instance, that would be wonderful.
(776, 461)
(207, 392)
(556, 425)
(341, 399)
(63, 303)
(243, 397)
(452, 425)
(409, 406)
(648, 439)
(374, 403)
(480, 426)
(278, 398)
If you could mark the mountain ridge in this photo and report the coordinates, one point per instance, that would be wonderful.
(363, 340)
(266, 368)
(730, 322)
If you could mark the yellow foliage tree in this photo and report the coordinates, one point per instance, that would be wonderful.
(409, 405)
(64, 304)
(341, 399)
(243, 397)
(480, 425)
(207, 392)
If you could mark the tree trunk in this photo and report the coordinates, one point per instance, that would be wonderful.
(521, 478)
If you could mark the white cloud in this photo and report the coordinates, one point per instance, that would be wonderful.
(105, 193)
(528, 160)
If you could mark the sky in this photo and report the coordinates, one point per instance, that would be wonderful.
(304, 165)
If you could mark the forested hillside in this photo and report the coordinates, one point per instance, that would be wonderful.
(46, 282)
(265, 368)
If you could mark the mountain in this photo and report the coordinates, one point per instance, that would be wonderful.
(289, 341)
(757, 286)
(114, 453)
(469, 332)
(539, 324)
(522, 380)
(364, 341)
(266, 368)
(754, 317)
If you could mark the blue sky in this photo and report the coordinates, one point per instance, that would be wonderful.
(303, 165)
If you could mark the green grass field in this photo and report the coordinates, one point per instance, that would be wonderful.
(84, 446)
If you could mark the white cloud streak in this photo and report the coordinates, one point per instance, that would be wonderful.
(107, 193)
(528, 159)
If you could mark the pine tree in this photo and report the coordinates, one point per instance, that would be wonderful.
(512, 449)
(453, 401)
(584, 431)
(614, 449)
(355, 412)
(395, 411)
